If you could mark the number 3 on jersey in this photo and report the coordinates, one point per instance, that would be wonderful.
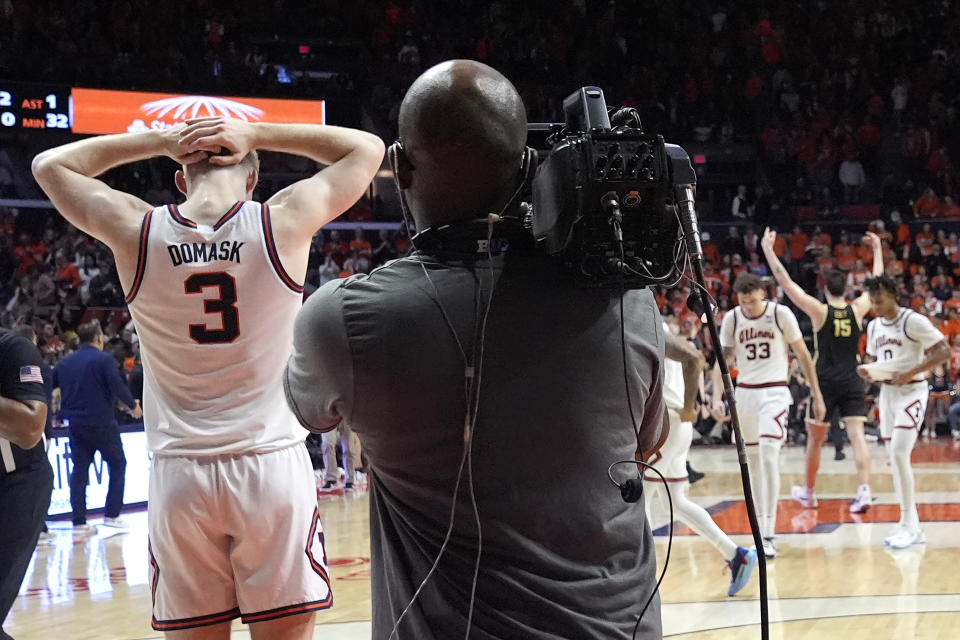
(224, 304)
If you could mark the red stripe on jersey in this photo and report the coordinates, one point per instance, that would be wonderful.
(141, 257)
(175, 213)
(198, 621)
(765, 385)
(272, 251)
(291, 610)
(229, 214)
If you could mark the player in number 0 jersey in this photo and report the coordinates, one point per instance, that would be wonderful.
(758, 332)
(214, 286)
(902, 346)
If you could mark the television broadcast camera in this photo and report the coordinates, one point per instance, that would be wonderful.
(611, 200)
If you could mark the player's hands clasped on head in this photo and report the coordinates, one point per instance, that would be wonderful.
(231, 134)
(182, 153)
(872, 238)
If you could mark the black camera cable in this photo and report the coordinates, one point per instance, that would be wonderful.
(631, 490)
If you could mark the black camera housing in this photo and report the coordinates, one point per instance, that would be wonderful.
(596, 184)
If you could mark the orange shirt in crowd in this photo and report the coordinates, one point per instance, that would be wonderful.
(951, 211)
(952, 303)
(780, 246)
(895, 268)
(846, 262)
(842, 249)
(825, 239)
(865, 253)
(69, 274)
(903, 234)
(916, 303)
(926, 206)
(950, 328)
(798, 245)
(362, 246)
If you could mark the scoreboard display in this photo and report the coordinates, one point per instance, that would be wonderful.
(97, 111)
(35, 106)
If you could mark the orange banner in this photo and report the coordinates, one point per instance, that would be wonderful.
(99, 111)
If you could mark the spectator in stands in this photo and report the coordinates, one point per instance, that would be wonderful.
(739, 207)
(733, 243)
(927, 205)
(949, 209)
(853, 178)
(105, 288)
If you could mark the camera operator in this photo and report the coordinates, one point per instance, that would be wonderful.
(391, 354)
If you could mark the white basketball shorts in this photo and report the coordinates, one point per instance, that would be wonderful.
(235, 536)
(902, 407)
(671, 459)
(763, 412)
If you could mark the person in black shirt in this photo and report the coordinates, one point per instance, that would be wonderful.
(26, 478)
(837, 328)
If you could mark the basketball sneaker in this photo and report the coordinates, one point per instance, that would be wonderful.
(769, 548)
(863, 501)
(804, 496)
(905, 536)
(115, 523)
(741, 568)
(329, 484)
(84, 530)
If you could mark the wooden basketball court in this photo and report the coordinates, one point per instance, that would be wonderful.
(833, 578)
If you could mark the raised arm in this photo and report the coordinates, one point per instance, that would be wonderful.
(804, 301)
(299, 210)
(692, 362)
(861, 305)
(67, 174)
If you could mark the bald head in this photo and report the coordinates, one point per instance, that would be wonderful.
(463, 128)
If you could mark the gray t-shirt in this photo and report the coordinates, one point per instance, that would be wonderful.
(563, 556)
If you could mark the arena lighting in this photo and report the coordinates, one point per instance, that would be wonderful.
(97, 111)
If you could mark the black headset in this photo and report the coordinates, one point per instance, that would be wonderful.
(427, 239)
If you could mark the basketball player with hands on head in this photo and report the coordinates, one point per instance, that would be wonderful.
(682, 370)
(837, 328)
(213, 286)
(759, 332)
(902, 346)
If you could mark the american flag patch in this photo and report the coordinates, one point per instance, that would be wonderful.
(30, 373)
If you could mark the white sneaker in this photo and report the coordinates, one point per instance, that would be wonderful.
(862, 503)
(769, 548)
(84, 530)
(115, 523)
(804, 497)
(905, 537)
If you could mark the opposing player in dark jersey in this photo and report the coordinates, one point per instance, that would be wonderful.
(837, 328)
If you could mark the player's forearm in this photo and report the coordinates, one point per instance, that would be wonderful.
(22, 423)
(322, 143)
(810, 373)
(877, 260)
(95, 156)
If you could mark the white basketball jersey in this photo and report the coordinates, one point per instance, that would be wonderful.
(673, 386)
(214, 311)
(761, 344)
(899, 344)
